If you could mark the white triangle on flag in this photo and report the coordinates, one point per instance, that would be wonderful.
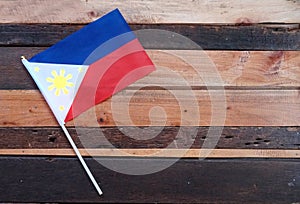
(58, 83)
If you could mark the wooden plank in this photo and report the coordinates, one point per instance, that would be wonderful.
(137, 11)
(243, 108)
(237, 68)
(209, 37)
(158, 153)
(55, 179)
(231, 138)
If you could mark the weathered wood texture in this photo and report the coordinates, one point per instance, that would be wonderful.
(27, 179)
(242, 108)
(255, 54)
(209, 37)
(231, 138)
(237, 68)
(137, 11)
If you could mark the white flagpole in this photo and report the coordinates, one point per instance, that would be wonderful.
(62, 124)
(86, 168)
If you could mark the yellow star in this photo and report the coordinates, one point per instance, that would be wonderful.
(80, 69)
(61, 108)
(36, 69)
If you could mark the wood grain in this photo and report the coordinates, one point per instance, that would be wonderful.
(236, 68)
(255, 54)
(137, 11)
(52, 179)
(231, 138)
(208, 37)
(158, 153)
(244, 108)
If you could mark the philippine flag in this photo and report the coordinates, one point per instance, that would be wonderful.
(89, 66)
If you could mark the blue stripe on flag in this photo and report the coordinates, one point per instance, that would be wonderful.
(108, 47)
(110, 32)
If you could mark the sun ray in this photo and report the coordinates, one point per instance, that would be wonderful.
(69, 76)
(50, 80)
(51, 87)
(54, 73)
(62, 73)
(57, 92)
(65, 90)
(70, 84)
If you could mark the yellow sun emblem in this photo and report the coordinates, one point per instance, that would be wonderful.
(60, 82)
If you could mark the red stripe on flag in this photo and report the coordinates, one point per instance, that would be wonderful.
(109, 75)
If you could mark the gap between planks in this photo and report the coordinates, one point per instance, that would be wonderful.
(158, 153)
(151, 11)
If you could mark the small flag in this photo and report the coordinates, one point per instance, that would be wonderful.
(89, 66)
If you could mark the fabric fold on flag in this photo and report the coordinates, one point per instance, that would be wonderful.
(89, 66)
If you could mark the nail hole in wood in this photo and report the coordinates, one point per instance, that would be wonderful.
(297, 145)
(34, 131)
(228, 137)
(50, 159)
(52, 138)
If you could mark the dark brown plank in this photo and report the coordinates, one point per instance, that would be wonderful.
(231, 138)
(209, 37)
(39, 179)
(12, 70)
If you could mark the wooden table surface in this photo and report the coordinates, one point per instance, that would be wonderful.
(255, 48)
